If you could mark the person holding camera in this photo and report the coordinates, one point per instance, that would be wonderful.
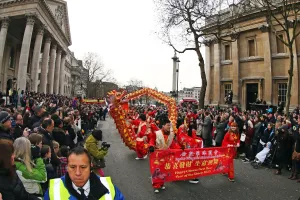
(98, 154)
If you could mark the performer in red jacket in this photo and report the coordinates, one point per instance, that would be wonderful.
(141, 137)
(163, 139)
(232, 139)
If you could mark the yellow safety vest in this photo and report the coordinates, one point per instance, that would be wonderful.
(58, 191)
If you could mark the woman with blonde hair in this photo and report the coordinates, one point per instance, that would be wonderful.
(31, 172)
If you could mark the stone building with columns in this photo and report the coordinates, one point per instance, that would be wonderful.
(252, 62)
(34, 40)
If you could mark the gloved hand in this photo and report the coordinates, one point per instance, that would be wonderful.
(35, 152)
(151, 149)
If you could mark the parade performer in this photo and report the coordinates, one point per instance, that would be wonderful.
(163, 139)
(232, 139)
(141, 151)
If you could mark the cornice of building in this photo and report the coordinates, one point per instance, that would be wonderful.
(235, 14)
(51, 15)
(48, 12)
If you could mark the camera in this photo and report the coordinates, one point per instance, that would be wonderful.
(105, 145)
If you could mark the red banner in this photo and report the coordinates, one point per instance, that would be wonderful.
(176, 164)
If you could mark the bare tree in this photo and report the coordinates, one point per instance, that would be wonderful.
(282, 17)
(185, 20)
(95, 72)
(135, 84)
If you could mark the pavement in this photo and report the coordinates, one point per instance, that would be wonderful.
(132, 177)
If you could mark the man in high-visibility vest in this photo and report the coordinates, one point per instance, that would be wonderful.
(80, 183)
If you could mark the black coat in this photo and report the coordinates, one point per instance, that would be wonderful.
(281, 145)
(18, 132)
(32, 120)
(12, 188)
(258, 131)
(47, 139)
(59, 136)
(5, 134)
(220, 131)
(71, 136)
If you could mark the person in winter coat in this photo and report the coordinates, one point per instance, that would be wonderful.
(267, 136)
(281, 137)
(46, 132)
(62, 155)
(220, 131)
(5, 127)
(11, 187)
(248, 140)
(258, 131)
(59, 135)
(296, 158)
(30, 173)
(70, 133)
(51, 173)
(91, 144)
(206, 130)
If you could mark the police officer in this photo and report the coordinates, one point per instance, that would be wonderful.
(80, 183)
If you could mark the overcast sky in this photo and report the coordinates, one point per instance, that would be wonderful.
(123, 34)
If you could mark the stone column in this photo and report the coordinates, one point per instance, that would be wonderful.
(5, 68)
(23, 63)
(174, 77)
(36, 58)
(43, 81)
(207, 73)
(235, 69)
(267, 64)
(57, 71)
(62, 75)
(217, 65)
(3, 34)
(51, 69)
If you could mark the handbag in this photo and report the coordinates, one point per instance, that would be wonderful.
(243, 137)
(98, 163)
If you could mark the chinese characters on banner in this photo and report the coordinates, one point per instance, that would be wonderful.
(176, 164)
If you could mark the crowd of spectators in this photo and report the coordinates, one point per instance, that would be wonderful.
(266, 137)
(36, 137)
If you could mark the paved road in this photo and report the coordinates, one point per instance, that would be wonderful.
(132, 178)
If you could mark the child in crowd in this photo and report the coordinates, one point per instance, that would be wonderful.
(62, 155)
(55, 146)
(51, 173)
(36, 140)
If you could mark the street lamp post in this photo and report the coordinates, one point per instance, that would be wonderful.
(177, 71)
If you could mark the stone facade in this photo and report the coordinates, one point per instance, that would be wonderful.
(253, 64)
(78, 75)
(34, 41)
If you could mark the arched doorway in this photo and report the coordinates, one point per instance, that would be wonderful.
(9, 85)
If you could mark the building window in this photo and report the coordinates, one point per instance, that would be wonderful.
(227, 88)
(11, 59)
(280, 45)
(251, 47)
(227, 52)
(282, 90)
